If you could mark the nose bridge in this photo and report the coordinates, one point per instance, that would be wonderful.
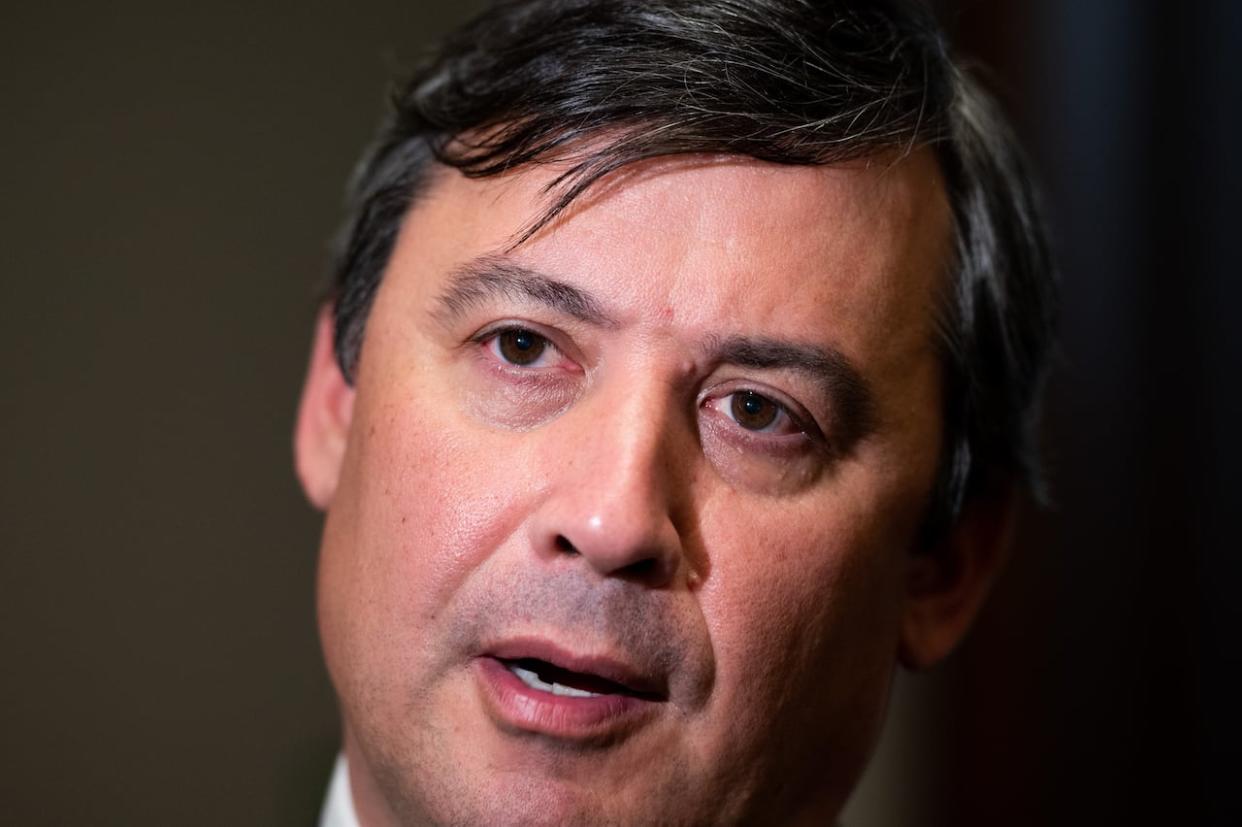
(633, 441)
(615, 500)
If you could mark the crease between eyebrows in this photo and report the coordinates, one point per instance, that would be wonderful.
(486, 277)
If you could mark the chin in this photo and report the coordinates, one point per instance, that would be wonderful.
(529, 800)
(492, 782)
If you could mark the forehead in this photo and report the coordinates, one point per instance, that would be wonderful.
(852, 255)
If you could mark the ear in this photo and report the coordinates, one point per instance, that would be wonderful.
(946, 584)
(323, 418)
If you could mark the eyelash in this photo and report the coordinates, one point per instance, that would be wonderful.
(802, 426)
(491, 341)
(723, 404)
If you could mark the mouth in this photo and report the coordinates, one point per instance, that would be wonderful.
(542, 676)
(533, 686)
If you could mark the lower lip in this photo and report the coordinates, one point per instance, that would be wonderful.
(518, 707)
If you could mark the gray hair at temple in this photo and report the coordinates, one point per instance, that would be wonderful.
(599, 84)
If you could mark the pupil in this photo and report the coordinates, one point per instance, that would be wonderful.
(521, 347)
(753, 411)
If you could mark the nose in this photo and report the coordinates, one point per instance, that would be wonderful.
(617, 487)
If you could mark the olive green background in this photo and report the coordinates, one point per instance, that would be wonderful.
(172, 175)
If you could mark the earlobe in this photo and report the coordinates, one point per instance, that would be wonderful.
(323, 418)
(946, 585)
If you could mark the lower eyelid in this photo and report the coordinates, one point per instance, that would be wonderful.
(790, 423)
(794, 427)
(789, 417)
(553, 365)
(776, 445)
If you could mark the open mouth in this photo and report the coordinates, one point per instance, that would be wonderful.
(532, 685)
(548, 677)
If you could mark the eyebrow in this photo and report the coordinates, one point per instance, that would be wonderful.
(487, 277)
(842, 383)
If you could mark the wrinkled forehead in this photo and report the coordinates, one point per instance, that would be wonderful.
(859, 248)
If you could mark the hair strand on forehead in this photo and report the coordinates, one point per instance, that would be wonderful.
(602, 84)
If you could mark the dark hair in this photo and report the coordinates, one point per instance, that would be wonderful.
(604, 83)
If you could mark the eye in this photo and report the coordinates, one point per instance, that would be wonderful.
(520, 346)
(756, 412)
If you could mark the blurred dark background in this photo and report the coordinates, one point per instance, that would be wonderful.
(171, 176)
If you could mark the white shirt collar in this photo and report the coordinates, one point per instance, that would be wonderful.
(338, 805)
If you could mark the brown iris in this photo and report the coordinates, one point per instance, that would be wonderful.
(752, 411)
(521, 347)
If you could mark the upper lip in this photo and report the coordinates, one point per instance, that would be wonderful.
(629, 676)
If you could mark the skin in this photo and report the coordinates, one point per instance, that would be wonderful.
(606, 498)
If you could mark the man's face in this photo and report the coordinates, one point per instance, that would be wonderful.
(622, 520)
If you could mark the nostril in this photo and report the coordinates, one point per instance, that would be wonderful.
(644, 569)
(563, 544)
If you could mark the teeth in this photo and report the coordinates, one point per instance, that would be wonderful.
(532, 680)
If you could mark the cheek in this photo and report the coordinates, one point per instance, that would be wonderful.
(418, 505)
(803, 604)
